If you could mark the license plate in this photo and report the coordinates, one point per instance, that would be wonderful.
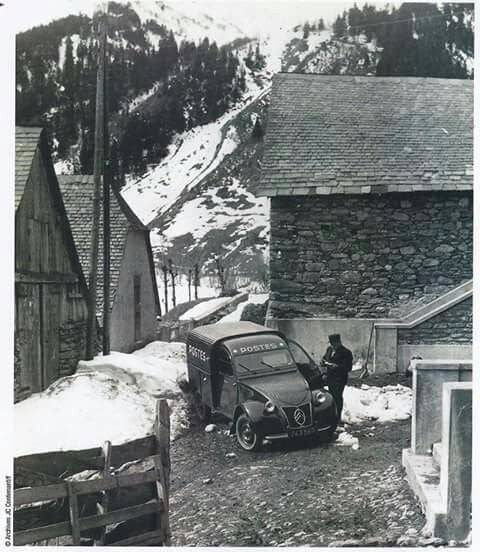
(301, 432)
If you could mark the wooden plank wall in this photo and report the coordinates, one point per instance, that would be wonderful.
(48, 292)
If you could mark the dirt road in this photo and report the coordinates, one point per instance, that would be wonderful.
(292, 495)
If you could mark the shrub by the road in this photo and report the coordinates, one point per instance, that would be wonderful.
(255, 313)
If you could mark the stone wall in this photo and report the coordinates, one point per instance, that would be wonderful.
(367, 256)
(452, 325)
(73, 341)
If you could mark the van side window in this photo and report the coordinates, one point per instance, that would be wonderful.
(223, 363)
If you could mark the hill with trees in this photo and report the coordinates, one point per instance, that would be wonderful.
(187, 84)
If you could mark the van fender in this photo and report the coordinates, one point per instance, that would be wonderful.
(253, 409)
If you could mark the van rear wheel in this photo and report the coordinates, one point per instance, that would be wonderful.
(247, 436)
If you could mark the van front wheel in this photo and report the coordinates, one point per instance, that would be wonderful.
(247, 436)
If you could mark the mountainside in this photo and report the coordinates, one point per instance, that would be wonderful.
(216, 214)
(161, 81)
(189, 105)
(188, 22)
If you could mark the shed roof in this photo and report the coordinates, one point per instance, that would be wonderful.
(26, 142)
(342, 134)
(78, 193)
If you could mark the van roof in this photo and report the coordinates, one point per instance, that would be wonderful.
(213, 333)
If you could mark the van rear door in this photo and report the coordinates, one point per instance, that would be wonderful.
(199, 371)
(224, 385)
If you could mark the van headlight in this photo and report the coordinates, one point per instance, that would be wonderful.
(269, 407)
(319, 397)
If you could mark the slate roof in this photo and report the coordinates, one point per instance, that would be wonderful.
(26, 143)
(341, 134)
(78, 192)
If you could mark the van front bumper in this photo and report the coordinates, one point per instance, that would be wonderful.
(286, 435)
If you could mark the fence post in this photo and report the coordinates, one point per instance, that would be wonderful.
(162, 465)
(165, 286)
(73, 513)
(104, 504)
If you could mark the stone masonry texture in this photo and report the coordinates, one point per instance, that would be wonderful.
(73, 340)
(454, 324)
(374, 256)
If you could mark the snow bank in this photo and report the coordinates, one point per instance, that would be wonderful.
(205, 308)
(111, 397)
(383, 404)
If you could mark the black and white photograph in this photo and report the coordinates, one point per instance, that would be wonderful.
(238, 265)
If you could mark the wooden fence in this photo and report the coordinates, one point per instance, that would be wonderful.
(130, 493)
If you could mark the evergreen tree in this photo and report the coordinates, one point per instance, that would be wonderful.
(68, 130)
(257, 131)
(355, 20)
(306, 30)
(340, 25)
(416, 45)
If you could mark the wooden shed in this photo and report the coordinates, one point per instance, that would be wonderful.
(134, 303)
(50, 290)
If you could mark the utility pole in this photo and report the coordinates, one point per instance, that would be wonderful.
(107, 172)
(97, 175)
(189, 285)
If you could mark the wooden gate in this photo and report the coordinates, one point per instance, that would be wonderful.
(123, 506)
(37, 330)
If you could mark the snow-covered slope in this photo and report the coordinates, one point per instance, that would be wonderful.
(192, 156)
(220, 215)
(187, 20)
(200, 200)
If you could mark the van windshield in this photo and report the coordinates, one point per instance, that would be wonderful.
(256, 363)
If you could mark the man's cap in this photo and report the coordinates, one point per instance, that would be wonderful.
(334, 338)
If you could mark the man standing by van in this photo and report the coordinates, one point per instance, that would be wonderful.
(338, 361)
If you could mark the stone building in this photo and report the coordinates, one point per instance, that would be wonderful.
(371, 184)
(50, 290)
(134, 301)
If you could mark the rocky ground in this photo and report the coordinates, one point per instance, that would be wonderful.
(295, 494)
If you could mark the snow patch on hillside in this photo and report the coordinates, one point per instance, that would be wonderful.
(212, 211)
(63, 47)
(187, 21)
(135, 102)
(191, 157)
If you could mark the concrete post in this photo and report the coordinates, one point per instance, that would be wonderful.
(428, 379)
(456, 464)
